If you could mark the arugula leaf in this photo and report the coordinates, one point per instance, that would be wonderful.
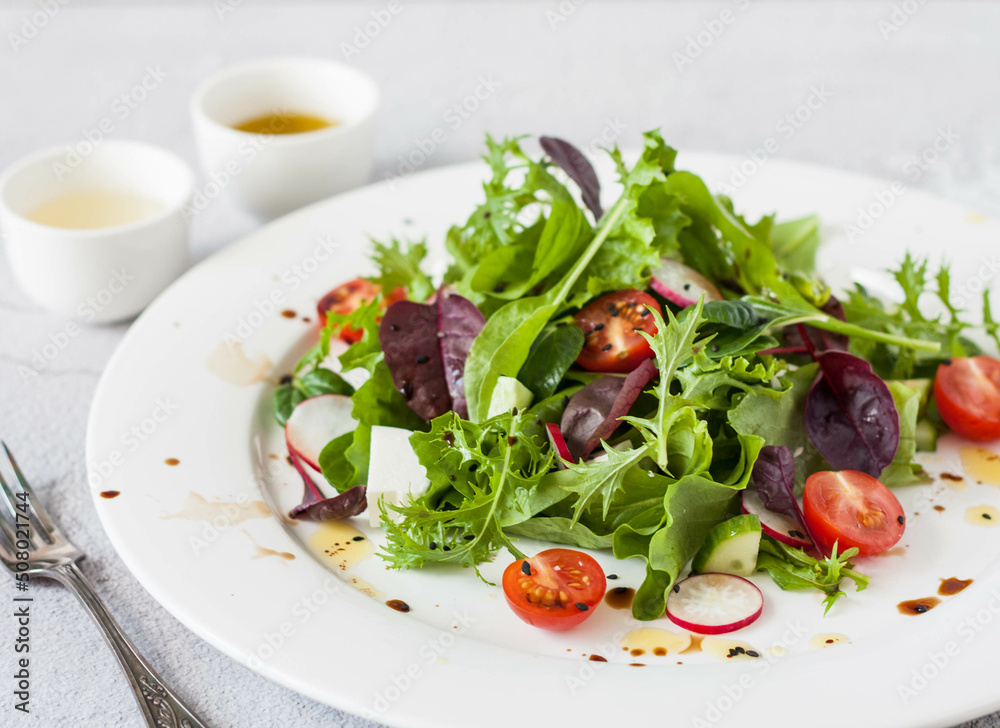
(499, 468)
(776, 416)
(366, 352)
(793, 568)
(601, 479)
(504, 344)
(673, 345)
(399, 267)
(557, 529)
(692, 506)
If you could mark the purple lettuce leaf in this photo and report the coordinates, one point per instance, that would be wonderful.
(586, 410)
(820, 340)
(850, 416)
(572, 162)
(633, 386)
(774, 478)
(315, 507)
(425, 347)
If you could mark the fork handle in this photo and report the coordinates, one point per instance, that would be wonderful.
(160, 706)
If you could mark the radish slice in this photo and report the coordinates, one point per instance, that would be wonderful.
(681, 285)
(776, 525)
(714, 603)
(316, 421)
(558, 443)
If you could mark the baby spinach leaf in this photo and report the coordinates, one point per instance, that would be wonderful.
(552, 354)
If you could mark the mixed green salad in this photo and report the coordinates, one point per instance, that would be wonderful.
(662, 379)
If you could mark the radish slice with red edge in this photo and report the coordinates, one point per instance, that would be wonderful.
(558, 443)
(681, 285)
(714, 603)
(315, 422)
(776, 525)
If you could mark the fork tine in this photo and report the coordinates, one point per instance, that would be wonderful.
(36, 513)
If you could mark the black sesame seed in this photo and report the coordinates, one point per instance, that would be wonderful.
(421, 359)
(733, 652)
(740, 651)
(796, 534)
(446, 548)
(687, 286)
(920, 609)
(644, 312)
(432, 545)
(358, 538)
(513, 412)
(598, 327)
(606, 347)
(620, 589)
(499, 287)
(582, 607)
(987, 516)
(899, 519)
(526, 568)
(631, 304)
(612, 309)
(677, 588)
(753, 653)
(487, 214)
(611, 576)
(468, 537)
(286, 379)
(947, 362)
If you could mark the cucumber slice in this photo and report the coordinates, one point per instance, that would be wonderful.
(926, 436)
(730, 548)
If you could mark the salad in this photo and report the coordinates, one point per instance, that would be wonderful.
(663, 379)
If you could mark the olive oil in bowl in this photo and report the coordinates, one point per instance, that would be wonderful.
(284, 124)
(89, 209)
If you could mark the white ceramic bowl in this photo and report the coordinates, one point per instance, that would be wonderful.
(271, 174)
(97, 274)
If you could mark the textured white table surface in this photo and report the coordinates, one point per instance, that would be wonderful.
(891, 83)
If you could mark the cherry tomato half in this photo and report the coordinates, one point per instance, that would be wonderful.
(350, 296)
(967, 393)
(611, 325)
(852, 509)
(556, 589)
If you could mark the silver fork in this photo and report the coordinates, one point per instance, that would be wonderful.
(27, 530)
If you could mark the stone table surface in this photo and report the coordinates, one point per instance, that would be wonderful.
(886, 80)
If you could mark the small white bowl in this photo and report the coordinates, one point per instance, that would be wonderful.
(271, 174)
(106, 273)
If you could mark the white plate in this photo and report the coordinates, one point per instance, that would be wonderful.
(459, 658)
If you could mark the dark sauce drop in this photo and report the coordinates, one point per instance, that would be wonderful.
(398, 604)
(637, 652)
(620, 597)
(952, 477)
(939, 509)
(597, 658)
(918, 606)
(289, 313)
(172, 461)
(110, 493)
(952, 586)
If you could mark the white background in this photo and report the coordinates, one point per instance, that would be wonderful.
(894, 83)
